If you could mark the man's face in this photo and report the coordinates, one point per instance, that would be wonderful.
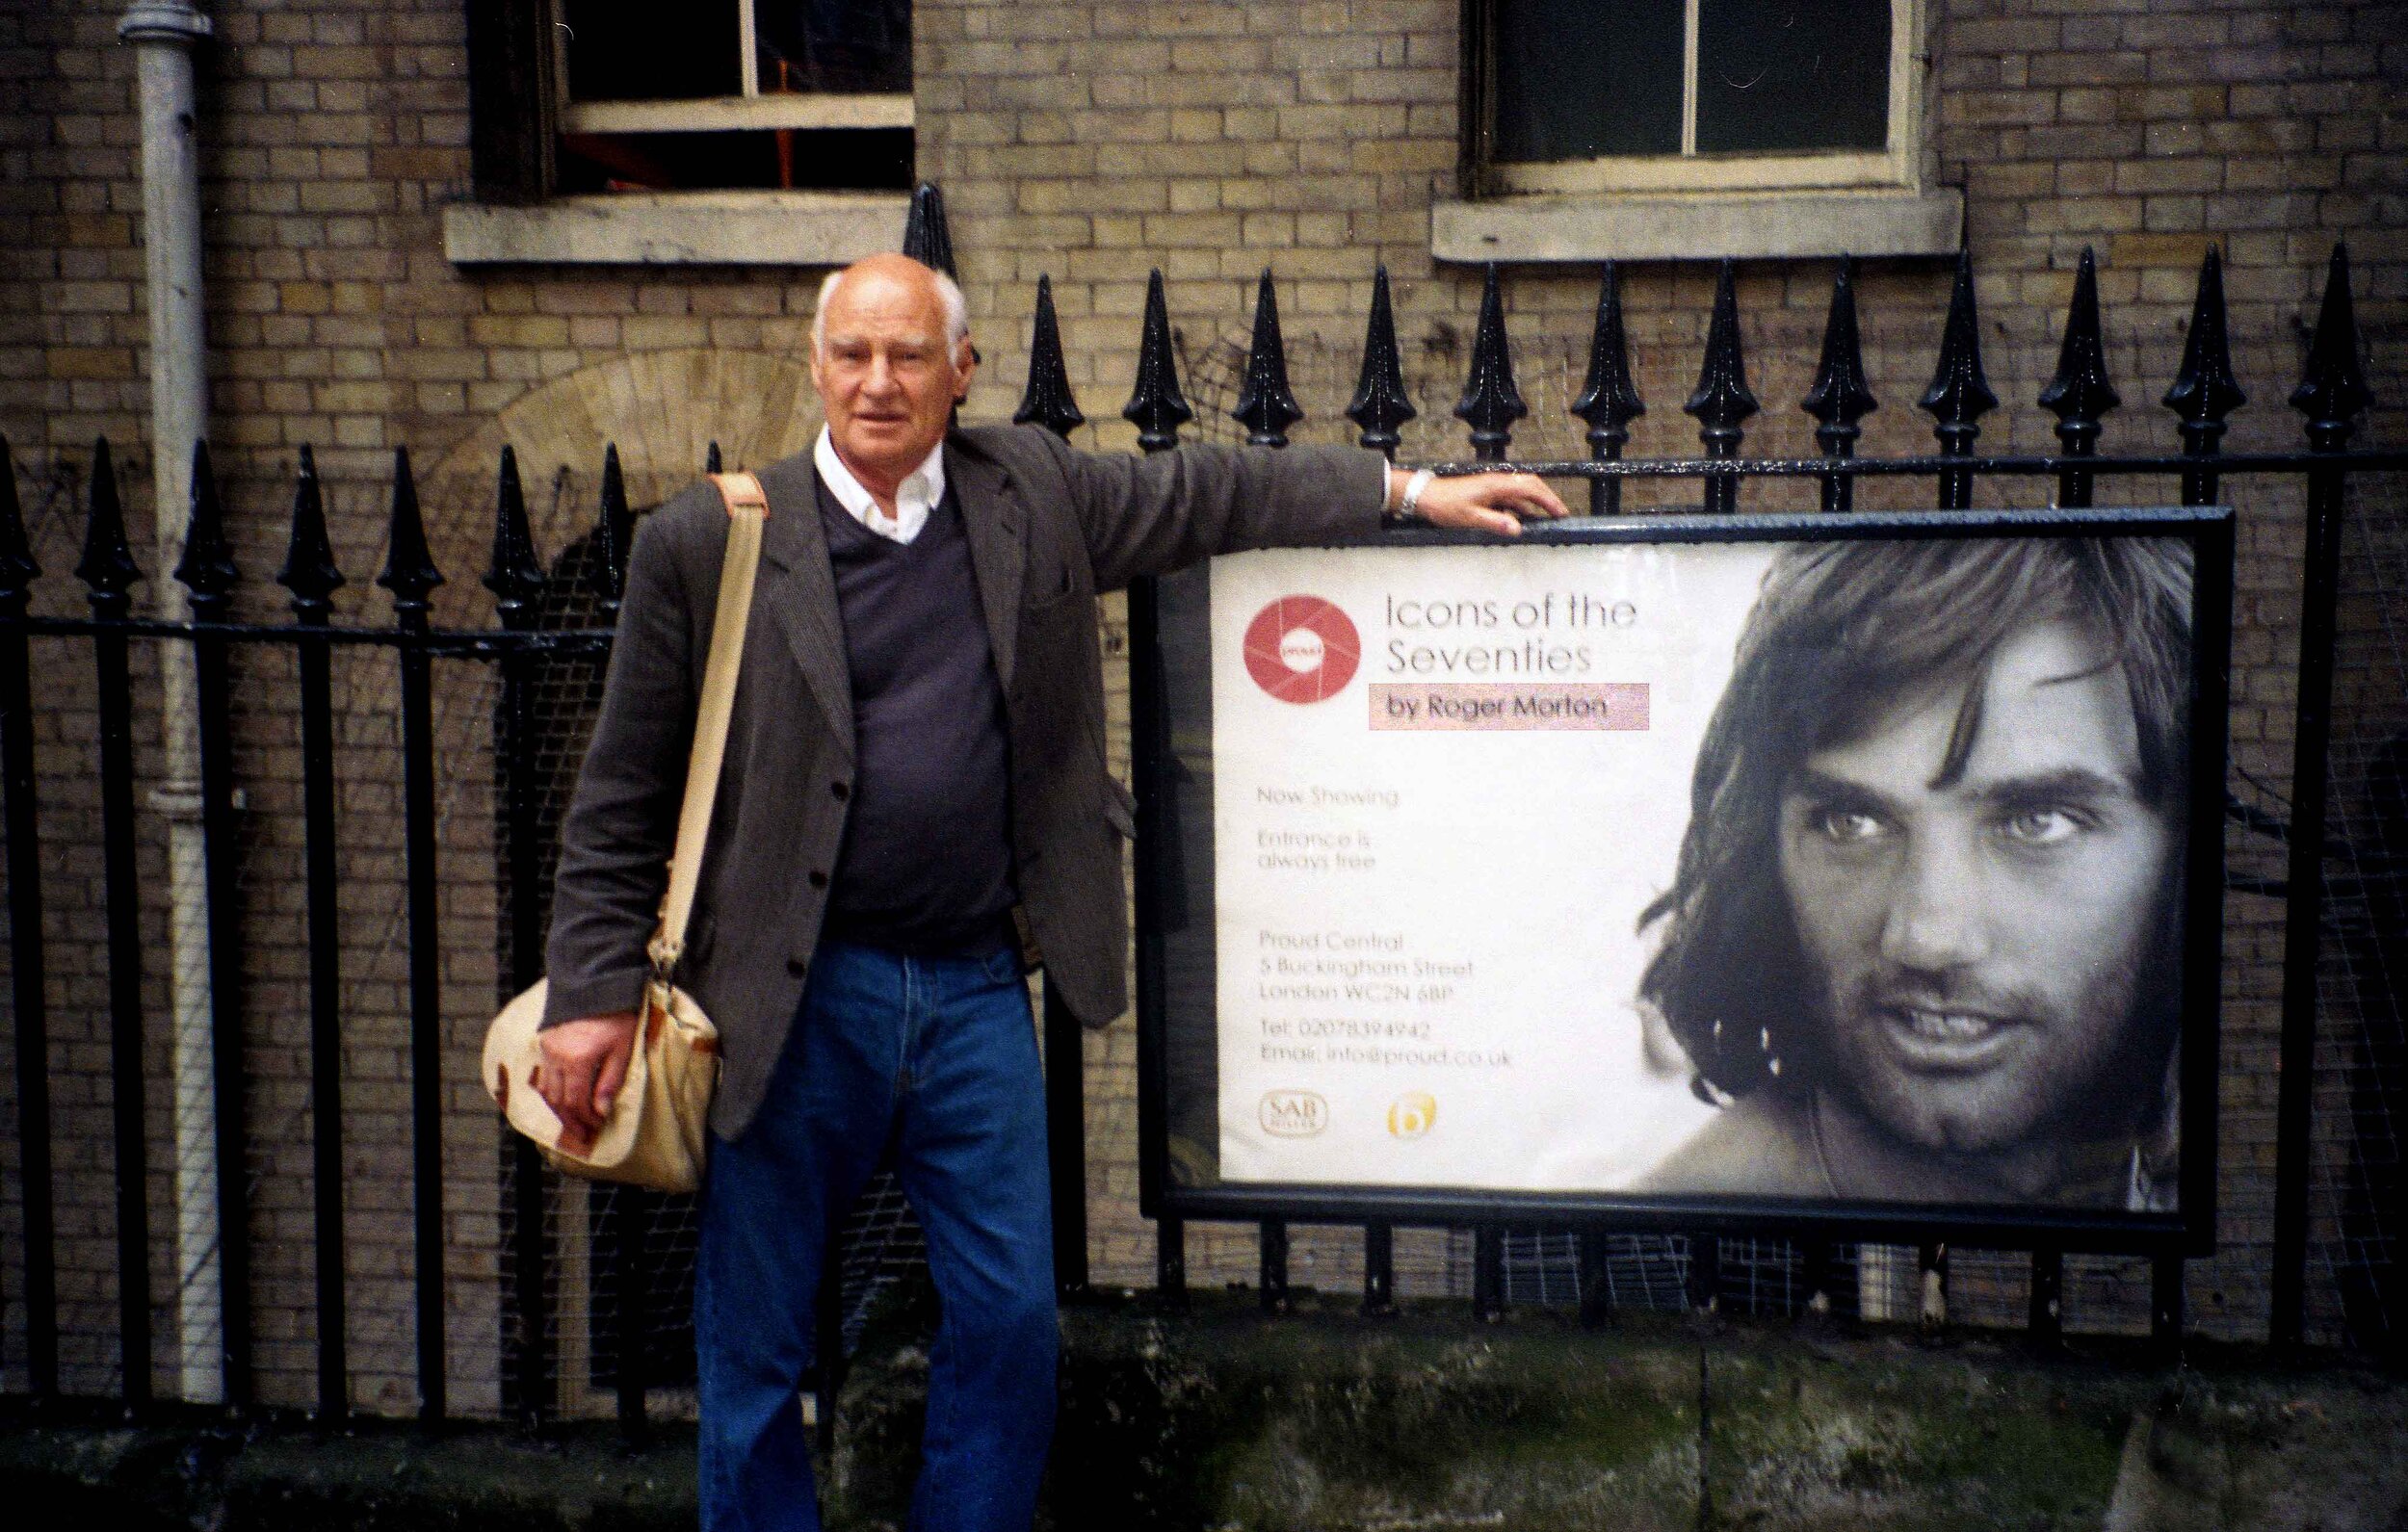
(1981, 943)
(886, 377)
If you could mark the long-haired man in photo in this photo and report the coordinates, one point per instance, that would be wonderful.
(1924, 938)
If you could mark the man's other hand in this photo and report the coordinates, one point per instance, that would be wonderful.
(584, 1062)
(1493, 503)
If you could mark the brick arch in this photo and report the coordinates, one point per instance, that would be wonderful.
(662, 409)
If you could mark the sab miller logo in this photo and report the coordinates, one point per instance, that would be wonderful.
(1412, 1114)
(1294, 1113)
(1303, 649)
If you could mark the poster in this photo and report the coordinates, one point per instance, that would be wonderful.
(1453, 790)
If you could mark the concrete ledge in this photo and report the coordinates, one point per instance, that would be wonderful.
(699, 228)
(1699, 227)
(1224, 1420)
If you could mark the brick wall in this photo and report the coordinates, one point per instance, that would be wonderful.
(1089, 141)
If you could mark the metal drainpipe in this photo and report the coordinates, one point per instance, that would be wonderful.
(164, 33)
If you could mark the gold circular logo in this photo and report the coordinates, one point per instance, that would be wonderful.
(1412, 1114)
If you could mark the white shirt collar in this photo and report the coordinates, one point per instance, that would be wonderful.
(917, 495)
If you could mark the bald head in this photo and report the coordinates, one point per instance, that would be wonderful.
(903, 269)
(890, 357)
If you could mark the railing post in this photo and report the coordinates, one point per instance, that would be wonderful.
(1379, 409)
(26, 966)
(2331, 396)
(1610, 398)
(1596, 1288)
(1959, 395)
(1721, 399)
(108, 569)
(311, 575)
(1840, 396)
(1488, 1281)
(410, 575)
(516, 579)
(1267, 407)
(2044, 1319)
(634, 1212)
(1158, 409)
(1048, 402)
(208, 574)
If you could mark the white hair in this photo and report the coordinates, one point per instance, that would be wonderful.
(947, 297)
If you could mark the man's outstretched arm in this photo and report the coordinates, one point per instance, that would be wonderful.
(1149, 515)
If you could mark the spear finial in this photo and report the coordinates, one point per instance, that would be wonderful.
(1841, 396)
(927, 238)
(516, 576)
(2080, 393)
(1959, 395)
(1265, 407)
(207, 568)
(309, 570)
(108, 564)
(409, 572)
(1048, 400)
(17, 569)
(1156, 406)
(2205, 388)
(1721, 399)
(1382, 406)
(1491, 403)
(1609, 397)
(2333, 393)
(614, 534)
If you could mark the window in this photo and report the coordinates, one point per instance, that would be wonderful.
(758, 132)
(1648, 125)
(716, 95)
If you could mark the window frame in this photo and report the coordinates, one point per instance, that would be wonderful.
(1901, 164)
(516, 214)
(750, 109)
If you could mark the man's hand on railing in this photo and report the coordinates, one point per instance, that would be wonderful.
(1474, 502)
(584, 1062)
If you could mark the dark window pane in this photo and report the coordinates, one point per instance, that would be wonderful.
(835, 159)
(639, 50)
(1577, 78)
(836, 45)
(1792, 75)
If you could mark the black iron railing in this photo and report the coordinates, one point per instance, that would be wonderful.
(2331, 397)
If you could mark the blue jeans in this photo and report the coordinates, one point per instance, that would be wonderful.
(937, 1056)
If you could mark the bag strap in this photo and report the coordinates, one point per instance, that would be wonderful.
(748, 509)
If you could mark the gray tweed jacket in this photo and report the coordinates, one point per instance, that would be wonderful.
(1048, 527)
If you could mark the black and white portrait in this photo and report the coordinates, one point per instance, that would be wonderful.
(1922, 941)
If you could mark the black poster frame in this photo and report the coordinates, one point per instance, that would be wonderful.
(1161, 901)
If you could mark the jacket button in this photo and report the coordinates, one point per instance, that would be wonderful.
(841, 791)
(818, 879)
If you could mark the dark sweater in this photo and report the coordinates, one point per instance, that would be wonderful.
(925, 867)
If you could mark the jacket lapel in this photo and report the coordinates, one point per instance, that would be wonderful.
(993, 517)
(798, 590)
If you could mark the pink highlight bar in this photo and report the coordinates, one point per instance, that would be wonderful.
(1504, 705)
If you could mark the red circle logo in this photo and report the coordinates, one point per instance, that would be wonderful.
(1301, 649)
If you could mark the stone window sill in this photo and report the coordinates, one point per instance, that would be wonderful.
(691, 228)
(1692, 226)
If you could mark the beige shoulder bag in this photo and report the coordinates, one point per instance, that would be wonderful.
(654, 1134)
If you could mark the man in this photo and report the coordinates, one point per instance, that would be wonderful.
(1924, 938)
(915, 780)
